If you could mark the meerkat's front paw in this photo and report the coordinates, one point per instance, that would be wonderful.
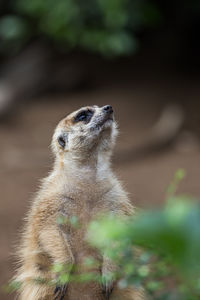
(107, 287)
(108, 276)
(108, 280)
(60, 291)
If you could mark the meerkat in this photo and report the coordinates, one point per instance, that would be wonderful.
(81, 185)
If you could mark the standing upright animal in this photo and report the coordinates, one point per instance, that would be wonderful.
(81, 185)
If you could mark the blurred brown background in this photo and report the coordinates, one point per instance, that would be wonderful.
(154, 88)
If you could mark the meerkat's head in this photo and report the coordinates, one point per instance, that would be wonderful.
(89, 130)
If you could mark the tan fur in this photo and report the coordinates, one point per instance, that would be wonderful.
(81, 184)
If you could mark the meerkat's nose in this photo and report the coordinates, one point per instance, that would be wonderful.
(108, 108)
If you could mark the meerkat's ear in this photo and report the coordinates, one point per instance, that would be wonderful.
(62, 140)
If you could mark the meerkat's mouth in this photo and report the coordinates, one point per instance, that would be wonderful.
(100, 124)
(108, 116)
(104, 119)
(108, 119)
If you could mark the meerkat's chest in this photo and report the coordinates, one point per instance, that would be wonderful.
(83, 209)
(79, 211)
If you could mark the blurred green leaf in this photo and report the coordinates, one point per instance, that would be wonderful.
(13, 33)
(169, 243)
(107, 27)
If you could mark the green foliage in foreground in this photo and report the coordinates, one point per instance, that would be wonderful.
(107, 27)
(167, 259)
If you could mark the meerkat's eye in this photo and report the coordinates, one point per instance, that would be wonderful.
(84, 116)
(61, 141)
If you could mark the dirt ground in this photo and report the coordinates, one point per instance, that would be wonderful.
(25, 156)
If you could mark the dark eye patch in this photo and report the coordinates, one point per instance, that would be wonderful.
(61, 141)
(84, 116)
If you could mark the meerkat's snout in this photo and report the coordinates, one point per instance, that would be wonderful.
(108, 109)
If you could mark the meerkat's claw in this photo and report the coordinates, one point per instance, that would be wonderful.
(107, 288)
(59, 292)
